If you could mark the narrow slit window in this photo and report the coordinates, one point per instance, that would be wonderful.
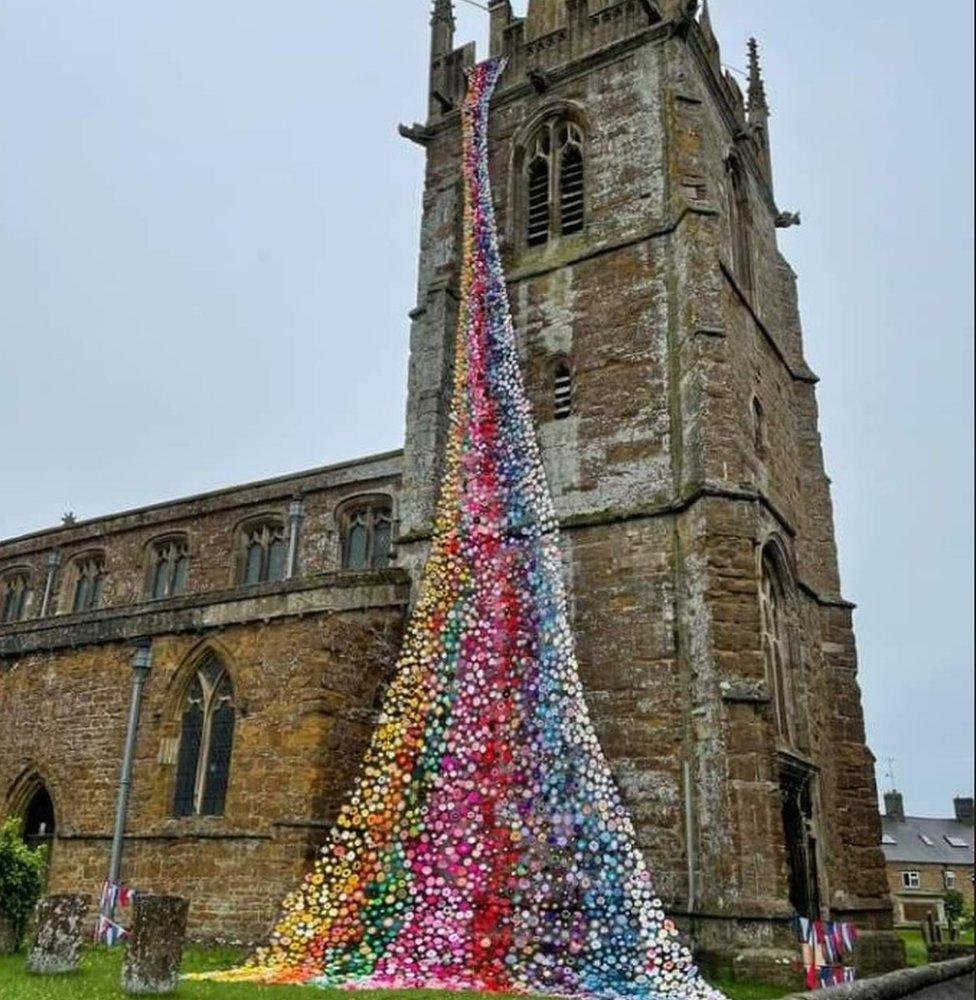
(759, 427)
(562, 391)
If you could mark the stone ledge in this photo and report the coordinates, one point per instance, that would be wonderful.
(188, 834)
(324, 593)
(894, 984)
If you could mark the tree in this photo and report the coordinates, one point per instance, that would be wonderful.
(955, 905)
(21, 876)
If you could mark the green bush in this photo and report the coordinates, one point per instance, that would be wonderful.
(955, 904)
(21, 876)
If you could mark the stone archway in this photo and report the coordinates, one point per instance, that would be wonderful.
(31, 800)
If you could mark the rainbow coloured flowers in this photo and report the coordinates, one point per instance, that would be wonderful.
(485, 845)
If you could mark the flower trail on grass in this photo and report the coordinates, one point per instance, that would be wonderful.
(485, 845)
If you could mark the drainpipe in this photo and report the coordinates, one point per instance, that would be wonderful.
(53, 562)
(141, 665)
(295, 516)
(689, 840)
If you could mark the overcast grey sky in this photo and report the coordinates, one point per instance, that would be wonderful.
(208, 232)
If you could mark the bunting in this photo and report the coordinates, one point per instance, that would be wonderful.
(824, 946)
(113, 895)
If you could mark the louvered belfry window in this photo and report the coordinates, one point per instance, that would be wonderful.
(538, 185)
(555, 192)
(570, 179)
(206, 742)
(562, 390)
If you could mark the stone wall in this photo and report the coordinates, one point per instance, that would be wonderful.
(668, 491)
(210, 524)
(304, 691)
(308, 659)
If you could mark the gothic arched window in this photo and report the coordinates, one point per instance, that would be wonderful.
(555, 192)
(14, 592)
(263, 552)
(367, 534)
(740, 218)
(169, 565)
(777, 641)
(85, 578)
(562, 390)
(206, 741)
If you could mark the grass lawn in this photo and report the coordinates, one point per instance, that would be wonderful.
(98, 979)
(915, 945)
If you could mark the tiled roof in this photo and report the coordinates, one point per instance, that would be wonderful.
(909, 845)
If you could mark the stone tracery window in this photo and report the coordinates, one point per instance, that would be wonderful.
(14, 594)
(85, 577)
(169, 564)
(264, 551)
(206, 742)
(554, 182)
(777, 642)
(367, 534)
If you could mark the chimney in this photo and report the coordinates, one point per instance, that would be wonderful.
(964, 810)
(895, 806)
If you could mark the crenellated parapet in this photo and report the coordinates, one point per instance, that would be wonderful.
(552, 35)
(557, 32)
(556, 36)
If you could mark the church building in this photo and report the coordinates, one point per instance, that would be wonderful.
(662, 349)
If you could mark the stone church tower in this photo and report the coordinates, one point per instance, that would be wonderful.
(662, 347)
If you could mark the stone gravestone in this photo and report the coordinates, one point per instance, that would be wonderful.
(59, 926)
(155, 949)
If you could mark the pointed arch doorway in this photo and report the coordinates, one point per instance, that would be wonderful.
(31, 800)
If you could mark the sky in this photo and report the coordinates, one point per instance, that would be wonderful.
(208, 236)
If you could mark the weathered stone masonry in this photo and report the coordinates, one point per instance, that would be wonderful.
(715, 645)
(307, 657)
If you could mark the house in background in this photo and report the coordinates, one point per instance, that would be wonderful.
(926, 857)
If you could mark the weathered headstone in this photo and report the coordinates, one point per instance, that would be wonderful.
(155, 950)
(8, 939)
(59, 927)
